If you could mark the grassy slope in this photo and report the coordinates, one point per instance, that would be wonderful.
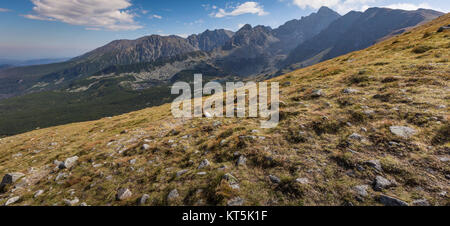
(399, 82)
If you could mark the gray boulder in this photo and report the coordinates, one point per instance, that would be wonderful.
(173, 195)
(69, 163)
(391, 201)
(11, 178)
(274, 179)
(402, 131)
(241, 161)
(204, 163)
(237, 201)
(381, 183)
(421, 202)
(143, 200)
(73, 202)
(361, 190)
(123, 194)
(12, 200)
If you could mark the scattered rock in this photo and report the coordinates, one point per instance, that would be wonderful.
(237, 201)
(181, 172)
(230, 178)
(241, 161)
(204, 163)
(173, 195)
(442, 107)
(444, 159)
(10, 178)
(356, 136)
(421, 202)
(361, 190)
(123, 194)
(143, 200)
(274, 179)
(391, 201)
(350, 91)
(68, 163)
(302, 180)
(381, 183)
(68, 202)
(402, 131)
(12, 200)
(38, 193)
(145, 147)
(60, 176)
(317, 93)
(376, 164)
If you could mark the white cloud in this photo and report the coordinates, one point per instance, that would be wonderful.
(3, 10)
(156, 16)
(341, 6)
(94, 14)
(344, 6)
(408, 6)
(244, 8)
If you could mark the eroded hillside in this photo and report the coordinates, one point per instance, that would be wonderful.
(368, 128)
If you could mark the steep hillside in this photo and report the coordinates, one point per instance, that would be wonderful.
(367, 128)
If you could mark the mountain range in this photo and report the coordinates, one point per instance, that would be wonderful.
(125, 74)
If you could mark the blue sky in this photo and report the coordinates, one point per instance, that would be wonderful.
(33, 29)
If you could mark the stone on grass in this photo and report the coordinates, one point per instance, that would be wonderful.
(391, 201)
(381, 183)
(123, 194)
(237, 201)
(68, 163)
(376, 164)
(204, 163)
(73, 202)
(274, 179)
(173, 195)
(361, 190)
(11, 178)
(181, 172)
(402, 131)
(143, 200)
(241, 161)
(302, 180)
(12, 200)
(38, 193)
(421, 202)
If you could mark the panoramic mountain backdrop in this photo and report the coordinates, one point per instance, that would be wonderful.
(127, 75)
(368, 128)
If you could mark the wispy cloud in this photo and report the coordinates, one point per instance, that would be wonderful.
(155, 16)
(3, 10)
(93, 14)
(409, 6)
(342, 6)
(244, 8)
